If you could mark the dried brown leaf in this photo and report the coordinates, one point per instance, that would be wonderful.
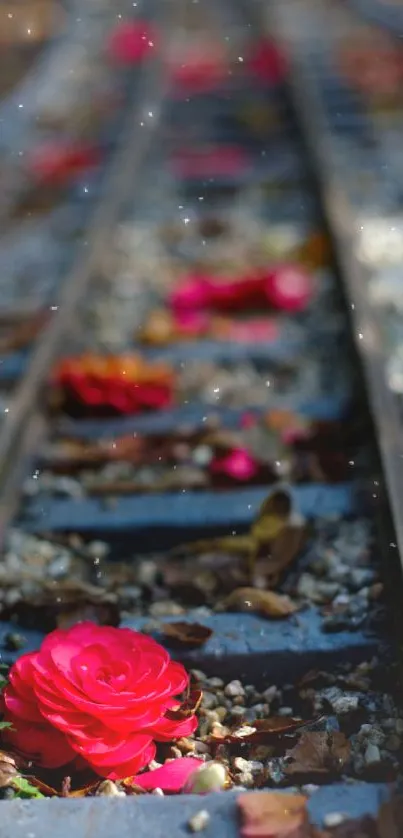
(185, 635)
(319, 753)
(277, 504)
(188, 707)
(273, 815)
(267, 603)
(262, 730)
(86, 791)
(9, 765)
(285, 549)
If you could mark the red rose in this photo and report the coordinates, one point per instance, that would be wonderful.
(237, 464)
(267, 63)
(57, 164)
(131, 41)
(101, 693)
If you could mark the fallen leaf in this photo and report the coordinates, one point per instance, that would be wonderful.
(43, 788)
(8, 768)
(318, 753)
(86, 791)
(272, 518)
(171, 777)
(285, 549)
(188, 707)
(263, 730)
(267, 603)
(273, 815)
(390, 818)
(188, 635)
(25, 789)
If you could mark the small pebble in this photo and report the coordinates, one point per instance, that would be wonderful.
(333, 819)
(215, 683)
(238, 712)
(345, 704)
(210, 777)
(158, 792)
(234, 688)
(372, 754)
(310, 788)
(270, 694)
(199, 821)
(393, 743)
(209, 701)
(14, 641)
(109, 789)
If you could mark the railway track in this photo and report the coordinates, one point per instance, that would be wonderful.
(191, 442)
(63, 124)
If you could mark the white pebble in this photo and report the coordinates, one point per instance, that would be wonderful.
(310, 788)
(372, 754)
(333, 819)
(209, 777)
(345, 704)
(270, 694)
(199, 821)
(234, 688)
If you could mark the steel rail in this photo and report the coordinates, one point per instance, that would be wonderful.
(341, 219)
(16, 181)
(25, 422)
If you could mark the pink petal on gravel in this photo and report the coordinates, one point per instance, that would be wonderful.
(171, 777)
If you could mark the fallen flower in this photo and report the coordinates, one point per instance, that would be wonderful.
(285, 287)
(289, 288)
(123, 383)
(218, 161)
(267, 63)
(98, 692)
(185, 635)
(273, 815)
(57, 164)
(238, 464)
(130, 42)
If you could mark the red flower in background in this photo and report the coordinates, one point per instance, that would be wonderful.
(58, 163)
(100, 693)
(285, 287)
(219, 161)
(267, 63)
(237, 464)
(131, 41)
(126, 384)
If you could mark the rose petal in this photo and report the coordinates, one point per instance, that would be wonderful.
(171, 777)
